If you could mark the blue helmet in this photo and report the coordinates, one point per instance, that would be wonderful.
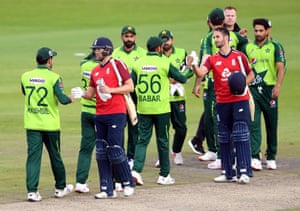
(105, 43)
(237, 82)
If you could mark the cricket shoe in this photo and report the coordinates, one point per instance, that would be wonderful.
(223, 179)
(215, 164)
(168, 180)
(104, 195)
(118, 187)
(128, 191)
(34, 197)
(157, 164)
(197, 149)
(271, 164)
(178, 159)
(81, 188)
(208, 156)
(59, 193)
(244, 179)
(256, 164)
(137, 178)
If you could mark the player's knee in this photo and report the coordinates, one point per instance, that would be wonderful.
(101, 149)
(223, 134)
(240, 131)
(116, 154)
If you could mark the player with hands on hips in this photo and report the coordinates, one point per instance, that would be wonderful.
(232, 107)
(110, 119)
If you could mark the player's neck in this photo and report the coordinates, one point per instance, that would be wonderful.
(225, 50)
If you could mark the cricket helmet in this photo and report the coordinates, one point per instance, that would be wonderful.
(237, 82)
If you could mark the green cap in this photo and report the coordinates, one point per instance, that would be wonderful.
(153, 42)
(128, 29)
(165, 35)
(45, 53)
(216, 16)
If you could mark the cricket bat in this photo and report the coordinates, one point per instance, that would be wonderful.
(131, 109)
(251, 101)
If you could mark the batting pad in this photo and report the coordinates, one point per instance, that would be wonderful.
(104, 167)
(120, 165)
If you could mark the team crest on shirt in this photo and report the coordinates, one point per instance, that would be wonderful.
(107, 71)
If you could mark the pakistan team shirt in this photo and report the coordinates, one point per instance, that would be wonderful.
(42, 89)
(263, 60)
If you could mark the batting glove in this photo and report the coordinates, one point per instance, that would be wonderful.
(77, 92)
(195, 58)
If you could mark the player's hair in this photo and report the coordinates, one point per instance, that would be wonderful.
(223, 30)
(230, 8)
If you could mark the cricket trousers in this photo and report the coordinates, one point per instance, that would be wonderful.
(268, 106)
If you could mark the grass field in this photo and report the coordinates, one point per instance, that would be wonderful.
(69, 27)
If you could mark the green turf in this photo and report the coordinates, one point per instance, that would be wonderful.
(71, 26)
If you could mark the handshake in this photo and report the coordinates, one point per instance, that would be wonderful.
(192, 59)
(77, 92)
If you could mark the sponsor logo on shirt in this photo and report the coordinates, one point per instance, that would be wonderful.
(37, 80)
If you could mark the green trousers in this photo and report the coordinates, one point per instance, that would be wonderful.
(87, 145)
(161, 123)
(178, 120)
(268, 106)
(210, 119)
(35, 141)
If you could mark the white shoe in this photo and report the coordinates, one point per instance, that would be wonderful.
(34, 196)
(137, 178)
(168, 180)
(118, 187)
(128, 191)
(208, 156)
(157, 164)
(256, 164)
(178, 160)
(215, 164)
(271, 164)
(194, 148)
(222, 179)
(103, 195)
(130, 163)
(81, 188)
(61, 193)
(244, 179)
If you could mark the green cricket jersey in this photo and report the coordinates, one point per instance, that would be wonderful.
(177, 58)
(42, 89)
(263, 61)
(86, 67)
(129, 57)
(151, 78)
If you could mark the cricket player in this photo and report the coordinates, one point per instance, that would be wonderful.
(43, 89)
(110, 118)
(208, 47)
(268, 60)
(232, 106)
(88, 134)
(152, 86)
(129, 53)
(177, 57)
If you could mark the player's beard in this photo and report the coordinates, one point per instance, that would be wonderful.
(260, 38)
(167, 47)
(129, 44)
